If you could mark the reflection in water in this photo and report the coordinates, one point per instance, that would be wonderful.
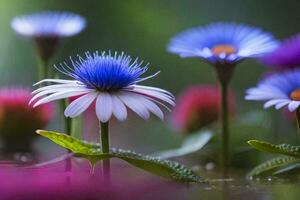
(49, 182)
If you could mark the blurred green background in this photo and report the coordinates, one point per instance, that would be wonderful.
(142, 28)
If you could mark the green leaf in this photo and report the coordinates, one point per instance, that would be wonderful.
(71, 143)
(93, 153)
(154, 165)
(268, 167)
(289, 168)
(191, 144)
(285, 149)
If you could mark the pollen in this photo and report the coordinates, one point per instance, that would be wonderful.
(223, 48)
(295, 95)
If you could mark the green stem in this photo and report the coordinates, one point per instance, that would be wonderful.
(104, 129)
(76, 126)
(67, 129)
(298, 121)
(225, 128)
(224, 74)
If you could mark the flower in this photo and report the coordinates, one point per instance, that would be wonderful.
(46, 28)
(286, 56)
(109, 80)
(49, 24)
(279, 90)
(18, 121)
(198, 106)
(219, 43)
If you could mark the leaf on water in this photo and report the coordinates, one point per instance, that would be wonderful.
(154, 165)
(93, 153)
(285, 149)
(191, 144)
(289, 168)
(268, 167)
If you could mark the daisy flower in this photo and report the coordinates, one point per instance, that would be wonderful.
(279, 90)
(47, 29)
(286, 56)
(223, 45)
(51, 24)
(112, 81)
(220, 43)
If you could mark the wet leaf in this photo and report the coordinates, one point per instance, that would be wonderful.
(285, 149)
(154, 165)
(191, 144)
(93, 153)
(268, 167)
(289, 168)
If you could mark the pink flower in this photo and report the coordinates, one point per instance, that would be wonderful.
(16, 117)
(197, 107)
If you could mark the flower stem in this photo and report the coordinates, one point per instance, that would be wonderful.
(104, 128)
(225, 128)
(298, 121)
(224, 74)
(67, 130)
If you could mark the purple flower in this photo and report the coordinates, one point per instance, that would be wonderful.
(286, 56)
(47, 28)
(278, 90)
(222, 43)
(49, 24)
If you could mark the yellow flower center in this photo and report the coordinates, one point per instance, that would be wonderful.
(295, 95)
(223, 48)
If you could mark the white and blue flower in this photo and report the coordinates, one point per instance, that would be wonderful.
(222, 43)
(49, 24)
(109, 80)
(279, 90)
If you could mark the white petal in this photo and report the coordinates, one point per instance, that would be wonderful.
(273, 102)
(152, 107)
(134, 104)
(293, 105)
(80, 105)
(57, 86)
(104, 106)
(58, 95)
(282, 104)
(154, 94)
(56, 81)
(154, 89)
(119, 109)
(59, 90)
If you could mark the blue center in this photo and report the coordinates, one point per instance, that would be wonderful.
(106, 72)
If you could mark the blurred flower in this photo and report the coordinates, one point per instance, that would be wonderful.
(279, 90)
(18, 121)
(48, 24)
(111, 81)
(46, 28)
(197, 107)
(286, 56)
(222, 43)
